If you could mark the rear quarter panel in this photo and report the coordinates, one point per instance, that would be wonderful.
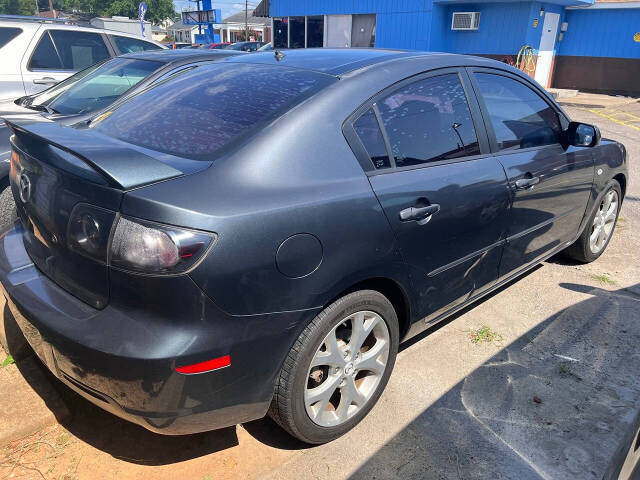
(610, 160)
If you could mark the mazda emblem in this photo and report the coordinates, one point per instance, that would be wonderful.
(24, 185)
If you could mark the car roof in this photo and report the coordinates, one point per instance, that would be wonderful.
(340, 61)
(179, 55)
(333, 61)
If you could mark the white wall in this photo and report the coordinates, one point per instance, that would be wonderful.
(126, 26)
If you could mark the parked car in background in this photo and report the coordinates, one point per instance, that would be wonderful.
(95, 89)
(258, 234)
(216, 46)
(178, 45)
(245, 46)
(36, 53)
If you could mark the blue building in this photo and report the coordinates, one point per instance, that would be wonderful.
(573, 43)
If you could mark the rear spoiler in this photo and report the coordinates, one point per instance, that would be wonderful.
(121, 165)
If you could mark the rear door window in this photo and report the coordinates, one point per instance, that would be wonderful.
(519, 116)
(371, 137)
(428, 121)
(7, 34)
(45, 56)
(196, 114)
(79, 50)
(130, 45)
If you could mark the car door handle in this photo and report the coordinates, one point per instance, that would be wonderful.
(45, 81)
(418, 213)
(527, 183)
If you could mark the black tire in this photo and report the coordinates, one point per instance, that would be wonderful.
(8, 214)
(581, 250)
(288, 408)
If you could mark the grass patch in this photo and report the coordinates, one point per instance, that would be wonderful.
(603, 279)
(484, 334)
(7, 361)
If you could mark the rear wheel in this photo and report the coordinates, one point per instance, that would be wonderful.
(338, 368)
(599, 229)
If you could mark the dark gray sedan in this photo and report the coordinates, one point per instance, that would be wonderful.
(259, 234)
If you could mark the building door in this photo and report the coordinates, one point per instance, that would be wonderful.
(363, 30)
(338, 31)
(547, 46)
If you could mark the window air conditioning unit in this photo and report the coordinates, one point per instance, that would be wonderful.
(465, 21)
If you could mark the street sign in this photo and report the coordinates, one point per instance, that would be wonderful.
(200, 17)
(142, 10)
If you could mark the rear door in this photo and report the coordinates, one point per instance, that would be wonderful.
(549, 185)
(57, 54)
(444, 195)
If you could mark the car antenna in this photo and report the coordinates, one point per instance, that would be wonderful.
(278, 54)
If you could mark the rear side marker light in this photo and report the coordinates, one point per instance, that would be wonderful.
(206, 366)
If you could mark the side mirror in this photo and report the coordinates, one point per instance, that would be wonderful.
(582, 135)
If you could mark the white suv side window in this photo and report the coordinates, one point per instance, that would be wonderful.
(68, 50)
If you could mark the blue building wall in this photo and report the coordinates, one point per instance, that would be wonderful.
(399, 23)
(424, 25)
(597, 53)
(504, 28)
(602, 33)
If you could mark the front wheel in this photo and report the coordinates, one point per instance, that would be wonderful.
(338, 368)
(599, 229)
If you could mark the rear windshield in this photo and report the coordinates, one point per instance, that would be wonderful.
(7, 34)
(204, 110)
(97, 86)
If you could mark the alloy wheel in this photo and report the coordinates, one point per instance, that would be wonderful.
(347, 368)
(604, 222)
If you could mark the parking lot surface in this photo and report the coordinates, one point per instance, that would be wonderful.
(540, 380)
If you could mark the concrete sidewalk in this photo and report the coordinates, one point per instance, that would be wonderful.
(28, 399)
(574, 98)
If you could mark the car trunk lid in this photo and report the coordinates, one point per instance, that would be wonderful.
(55, 169)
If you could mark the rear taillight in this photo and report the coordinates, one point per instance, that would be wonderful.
(158, 249)
(135, 245)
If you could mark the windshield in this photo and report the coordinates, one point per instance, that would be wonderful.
(96, 87)
(201, 111)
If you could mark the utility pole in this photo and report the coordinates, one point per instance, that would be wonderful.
(246, 20)
(53, 12)
(37, 11)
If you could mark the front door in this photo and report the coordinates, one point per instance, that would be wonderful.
(550, 185)
(444, 196)
(547, 48)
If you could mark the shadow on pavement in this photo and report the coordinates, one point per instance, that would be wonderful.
(561, 401)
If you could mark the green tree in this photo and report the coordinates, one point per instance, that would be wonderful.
(157, 10)
(17, 7)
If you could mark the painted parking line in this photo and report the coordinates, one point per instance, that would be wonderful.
(615, 120)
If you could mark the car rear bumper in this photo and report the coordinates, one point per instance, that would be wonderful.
(123, 357)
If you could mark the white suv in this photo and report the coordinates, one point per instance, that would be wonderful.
(37, 53)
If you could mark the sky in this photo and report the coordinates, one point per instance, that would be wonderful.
(228, 7)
